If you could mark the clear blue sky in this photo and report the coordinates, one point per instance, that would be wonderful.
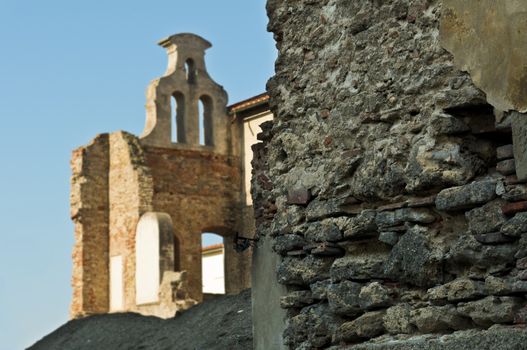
(68, 71)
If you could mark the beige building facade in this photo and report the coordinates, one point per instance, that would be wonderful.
(140, 204)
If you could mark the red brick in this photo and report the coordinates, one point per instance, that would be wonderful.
(513, 208)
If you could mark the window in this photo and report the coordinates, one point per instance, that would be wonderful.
(177, 108)
(205, 121)
(190, 70)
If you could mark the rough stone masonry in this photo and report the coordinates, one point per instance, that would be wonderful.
(387, 181)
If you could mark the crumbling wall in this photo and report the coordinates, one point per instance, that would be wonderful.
(130, 196)
(387, 185)
(201, 191)
(115, 181)
(182, 188)
(89, 212)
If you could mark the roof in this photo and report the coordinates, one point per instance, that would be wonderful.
(212, 247)
(249, 103)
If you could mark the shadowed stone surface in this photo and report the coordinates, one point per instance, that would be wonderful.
(413, 260)
(462, 197)
(496, 338)
(519, 136)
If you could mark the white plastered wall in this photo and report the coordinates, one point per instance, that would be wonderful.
(116, 283)
(251, 128)
(147, 274)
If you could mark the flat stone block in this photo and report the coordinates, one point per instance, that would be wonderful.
(343, 298)
(389, 237)
(504, 152)
(522, 275)
(366, 326)
(515, 193)
(522, 263)
(496, 338)
(422, 202)
(512, 180)
(516, 226)
(491, 310)
(457, 290)
(492, 238)
(486, 219)
(506, 167)
(358, 267)
(296, 299)
(289, 242)
(467, 196)
(519, 141)
(298, 196)
(400, 216)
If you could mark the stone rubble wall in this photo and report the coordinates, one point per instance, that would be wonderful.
(387, 185)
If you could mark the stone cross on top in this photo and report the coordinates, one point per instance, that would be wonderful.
(185, 107)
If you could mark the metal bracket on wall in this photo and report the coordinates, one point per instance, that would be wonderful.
(243, 243)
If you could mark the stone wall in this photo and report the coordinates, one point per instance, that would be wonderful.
(387, 185)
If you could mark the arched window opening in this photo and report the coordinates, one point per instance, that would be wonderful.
(205, 121)
(177, 254)
(190, 70)
(212, 264)
(177, 108)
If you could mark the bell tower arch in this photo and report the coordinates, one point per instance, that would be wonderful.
(187, 80)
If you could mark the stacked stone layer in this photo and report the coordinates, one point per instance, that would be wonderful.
(387, 184)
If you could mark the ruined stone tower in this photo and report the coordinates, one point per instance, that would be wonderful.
(140, 204)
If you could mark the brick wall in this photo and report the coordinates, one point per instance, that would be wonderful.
(89, 212)
(116, 180)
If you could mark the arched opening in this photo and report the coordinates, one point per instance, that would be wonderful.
(177, 109)
(177, 254)
(147, 259)
(190, 70)
(212, 264)
(154, 240)
(205, 121)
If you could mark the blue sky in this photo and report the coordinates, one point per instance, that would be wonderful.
(68, 71)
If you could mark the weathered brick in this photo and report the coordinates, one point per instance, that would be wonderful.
(513, 208)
